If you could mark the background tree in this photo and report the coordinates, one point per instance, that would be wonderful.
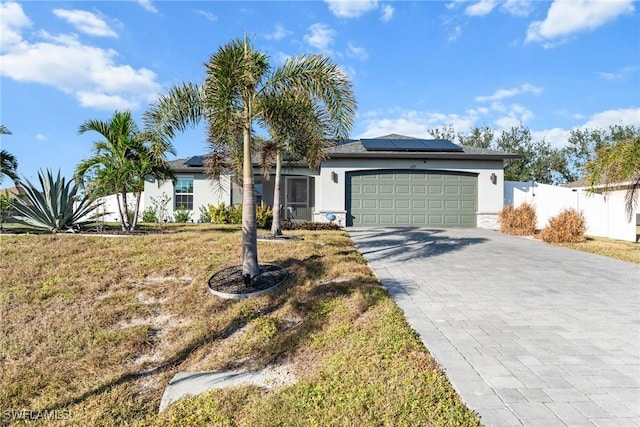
(121, 161)
(237, 85)
(615, 166)
(477, 137)
(538, 160)
(446, 132)
(8, 162)
(583, 144)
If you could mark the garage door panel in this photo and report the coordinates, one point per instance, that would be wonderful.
(423, 198)
(403, 204)
(386, 203)
(369, 204)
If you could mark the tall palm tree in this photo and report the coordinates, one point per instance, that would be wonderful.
(299, 128)
(616, 164)
(8, 162)
(121, 161)
(235, 93)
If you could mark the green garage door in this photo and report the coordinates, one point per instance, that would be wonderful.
(411, 198)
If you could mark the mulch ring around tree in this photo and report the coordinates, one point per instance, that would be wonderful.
(228, 283)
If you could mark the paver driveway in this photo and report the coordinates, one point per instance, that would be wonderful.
(528, 333)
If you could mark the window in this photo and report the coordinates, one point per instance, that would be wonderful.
(184, 193)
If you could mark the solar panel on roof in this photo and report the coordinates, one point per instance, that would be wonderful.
(440, 145)
(195, 161)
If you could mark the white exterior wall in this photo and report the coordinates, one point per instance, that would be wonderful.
(205, 192)
(605, 215)
(331, 195)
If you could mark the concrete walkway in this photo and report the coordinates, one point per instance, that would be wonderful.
(528, 333)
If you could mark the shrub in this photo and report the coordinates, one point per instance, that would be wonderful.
(568, 226)
(520, 221)
(54, 207)
(205, 214)
(181, 214)
(308, 225)
(149, 215)
(264, 217)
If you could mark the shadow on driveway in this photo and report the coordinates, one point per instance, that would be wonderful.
(406, 243)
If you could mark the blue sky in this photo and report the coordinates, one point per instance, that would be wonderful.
(550, 65)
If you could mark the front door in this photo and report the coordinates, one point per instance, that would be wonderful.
(297, 198)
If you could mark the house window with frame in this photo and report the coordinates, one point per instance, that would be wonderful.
(184, 193)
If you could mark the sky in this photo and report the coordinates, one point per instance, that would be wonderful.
(552, 66)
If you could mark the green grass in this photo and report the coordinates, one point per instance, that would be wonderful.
(95, 327)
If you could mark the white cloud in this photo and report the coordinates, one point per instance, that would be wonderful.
(453, 36)
(567, 17)
(387, 13)
(556, 137)
(517, 7)
(621, 74)
(208, 15)
(320, 36)
(148, 6)
(627, 116)
(508, 93)
(351, 8)
(86, 22)
(88, 73)
(414, 123)
(481, 8)
(12, 21)
(279, 33)
(516, 115)
(357, 52)
(41, 137)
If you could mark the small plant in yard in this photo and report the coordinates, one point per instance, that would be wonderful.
(149, 215)
(520, 221)
(205, 214)
(161, 206)
(568, 226)
(55, 206)
(264, 217)
(181, 214)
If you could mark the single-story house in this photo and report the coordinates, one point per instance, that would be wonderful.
(388, 181)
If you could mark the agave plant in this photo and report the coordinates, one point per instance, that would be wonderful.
(54, 208)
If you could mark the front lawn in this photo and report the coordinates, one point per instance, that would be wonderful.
(93, 328)
(618, 249)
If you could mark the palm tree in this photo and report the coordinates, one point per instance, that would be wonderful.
(235, 93)
(299, 128)
(8, 162)
(121, 162)
(614, 165)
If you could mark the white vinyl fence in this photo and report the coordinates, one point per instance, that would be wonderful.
(604, 214)
(108, 207)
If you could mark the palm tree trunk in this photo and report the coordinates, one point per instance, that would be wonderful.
(134, 223)
(250, 266)
(121, 212)
(125, 207)
(275, 225)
